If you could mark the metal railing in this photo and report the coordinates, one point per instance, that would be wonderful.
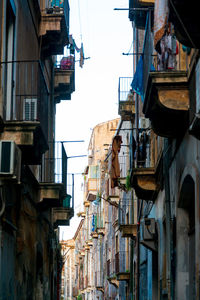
(124, 89)
(150, 147)
(122, 262)
(124, 212)
(124, 163)
(67, 62)
(118, 264)
(155, 62)
(26, 92)
(126, 97)
(54, 170)
(59, 7)
(99, 278)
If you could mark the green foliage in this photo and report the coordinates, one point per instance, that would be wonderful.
(79, 297)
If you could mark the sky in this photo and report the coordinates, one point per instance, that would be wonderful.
(105, 34)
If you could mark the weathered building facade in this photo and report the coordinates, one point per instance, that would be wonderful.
(143, 216)
(33, 200)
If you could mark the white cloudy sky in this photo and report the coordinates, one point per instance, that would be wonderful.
(105, 34)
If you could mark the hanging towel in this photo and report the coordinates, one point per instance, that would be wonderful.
(137, 83)
(115, 167)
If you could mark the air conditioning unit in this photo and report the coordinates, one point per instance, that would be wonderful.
(149, 237)
(144, 123)
(30, 109)
(10, 160)
(149, 229)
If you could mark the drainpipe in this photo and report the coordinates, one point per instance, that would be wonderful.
(0, 244)
(169, 240)
(138, 200)
(132, 243)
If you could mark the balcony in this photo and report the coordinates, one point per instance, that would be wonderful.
(87, 247)
(94, 235)
(55, 185)
(101, 231)
(123, 165)
(81, 214)
(61, 216)
(111, 275)
(100, 228)
(166, 91)
(89, 242)
(188, 34)
(91, 187)
(121, 262)
(64, 78)
(127, 229)
(75, 291)
(113, 200)
(99, 281)
(138, 11)
(54, 27)
(26, 99)
(145, 177)
(126, 99)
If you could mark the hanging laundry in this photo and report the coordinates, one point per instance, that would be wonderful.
(142, 150)
(137, 83)
(56, 3)
(115, 167)
(169, 50)
(161, 13)
(78, 50)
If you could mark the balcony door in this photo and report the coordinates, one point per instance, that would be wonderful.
(9, 58)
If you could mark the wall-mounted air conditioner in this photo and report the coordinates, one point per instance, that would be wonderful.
(149, 229)
(30, 109)
(10, 160)
(144, 123)
(149, 237)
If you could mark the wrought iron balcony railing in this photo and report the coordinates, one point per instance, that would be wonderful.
(99, 279)
(126, 98)
(26, 92)
(58, 7)
(150, 147)
(54, 170)
(176, 59)
(122, 261)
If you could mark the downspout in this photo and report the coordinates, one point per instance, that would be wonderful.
(138, 200)
(0, 244)
(169, 238)
(132, 243)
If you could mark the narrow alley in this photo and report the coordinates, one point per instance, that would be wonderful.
(130, 231)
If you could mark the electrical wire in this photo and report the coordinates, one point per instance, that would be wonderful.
(79, 16)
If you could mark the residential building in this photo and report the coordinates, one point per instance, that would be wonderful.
(167, 239)
(139, 237)
(33, 199)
